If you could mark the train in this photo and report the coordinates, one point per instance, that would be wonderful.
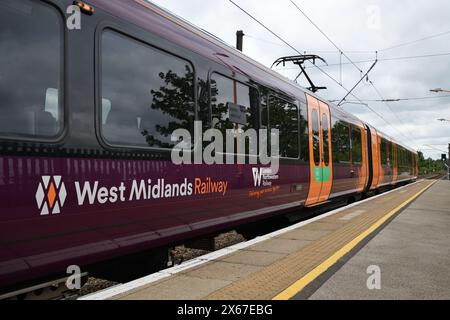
(89, 97)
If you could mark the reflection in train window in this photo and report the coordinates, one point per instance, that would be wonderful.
(326, 146)
(234, 106)
(356, 146)
(390, 153)
(315, 136)
(150, 93)
(340, 135)
(383, 152)
(106, 109)
(225, 91)
(283, 116)
(31, 72)
(304, 133)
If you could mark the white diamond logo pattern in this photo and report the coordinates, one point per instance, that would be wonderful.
(46, 180)
(51, 195)
(62, 195)
(57, 180)
(40, 196)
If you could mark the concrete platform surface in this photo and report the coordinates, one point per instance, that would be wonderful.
(295, 261)
(412, 255)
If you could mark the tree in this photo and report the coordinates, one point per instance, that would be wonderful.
(175, 99)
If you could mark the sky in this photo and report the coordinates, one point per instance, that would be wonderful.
(360, 29)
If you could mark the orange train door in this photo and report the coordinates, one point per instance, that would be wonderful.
(376, 165)
(321, 169)
(394, 163)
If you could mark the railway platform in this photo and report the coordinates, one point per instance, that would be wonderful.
(391, 246)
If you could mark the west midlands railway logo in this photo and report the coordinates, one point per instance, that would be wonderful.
(51, 195)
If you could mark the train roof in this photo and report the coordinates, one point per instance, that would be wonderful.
(173, 28)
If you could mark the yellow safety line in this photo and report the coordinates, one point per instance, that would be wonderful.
(324, 266)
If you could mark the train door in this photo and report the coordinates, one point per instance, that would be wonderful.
(394, 163)
(375, 158)
(321, 168)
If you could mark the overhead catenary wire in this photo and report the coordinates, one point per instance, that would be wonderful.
(366, 51)
(389, 107)
(290, 46)
(431, 146)
(416, 41)
(384, 59)
(350, 60)
(325, 35)
(316, 66)
(309, 50)
(398, 99)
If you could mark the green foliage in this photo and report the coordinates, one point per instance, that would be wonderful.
(429, 165)
(175, 99)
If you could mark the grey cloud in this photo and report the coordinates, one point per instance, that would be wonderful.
(346, 22)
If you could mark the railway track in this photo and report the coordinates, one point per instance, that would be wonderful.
(179, 254)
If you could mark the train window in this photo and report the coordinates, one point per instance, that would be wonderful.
(326, 147)
(341, 141)
(304, 133)
(390, 148)
(31, 69)
(315, 136)
(264, 112)
(283, 116)
(225, 93)
(106, 109)
(400, 157)
(383, 152)
(234, 106)
(356, 145)
(149, 93)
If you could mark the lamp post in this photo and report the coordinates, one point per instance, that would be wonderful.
(437, 90)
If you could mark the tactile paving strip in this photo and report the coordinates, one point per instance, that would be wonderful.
(266, 269)
(273, 279)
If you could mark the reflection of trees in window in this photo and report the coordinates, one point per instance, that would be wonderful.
(315, 136)
(284, 117)
(390, 147)
(304, 133)
(150, 93)
(225, 91)
(204, 111)
(175, 99)
(326, 146)
(356, 145)
(340, 135)
(219, 110)
(383, 152)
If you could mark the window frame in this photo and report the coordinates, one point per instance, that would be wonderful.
(213, 72)
(339, 152)
(296, 104)
(134, 36)
(385, 143)
(313, 112)
(62, 96)
(355, 129)
(326, 146)
(210, 76)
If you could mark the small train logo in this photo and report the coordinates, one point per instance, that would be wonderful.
(51, 195)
